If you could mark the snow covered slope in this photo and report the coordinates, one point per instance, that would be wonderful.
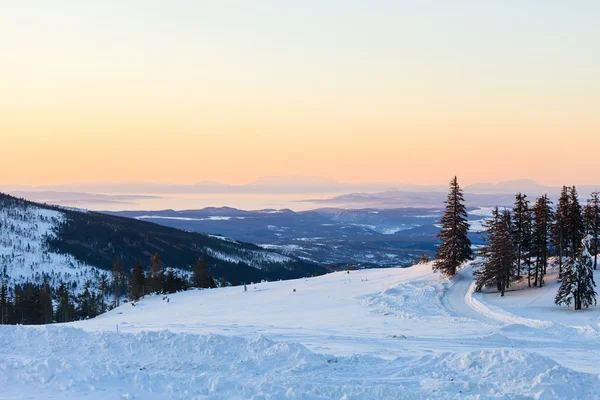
(24, 251)
(372, 334)
(40, 242)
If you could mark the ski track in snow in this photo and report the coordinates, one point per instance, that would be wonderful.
(372, 334)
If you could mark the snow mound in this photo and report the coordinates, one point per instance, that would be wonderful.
(164, 365)
(413, 299)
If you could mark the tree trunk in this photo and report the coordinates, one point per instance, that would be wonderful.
(560, 254)
(519, 263)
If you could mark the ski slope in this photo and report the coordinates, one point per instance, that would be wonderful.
(371, 334)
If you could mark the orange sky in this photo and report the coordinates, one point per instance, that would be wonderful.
(190, 92)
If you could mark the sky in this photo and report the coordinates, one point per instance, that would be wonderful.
(360, 91)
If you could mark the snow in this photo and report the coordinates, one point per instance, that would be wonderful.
(250, 257)
(387, 230)
(477, 225)
(210, 218)
(24, 254)
(538, 303)
(483, 211)
(368, 334)
(165, 365)
(223, 238)
(283, 248)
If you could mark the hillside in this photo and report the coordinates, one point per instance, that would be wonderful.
(363, 237)
(398, 333)
(38, 241)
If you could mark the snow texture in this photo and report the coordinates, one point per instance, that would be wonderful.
(24, 254)
(371, 334)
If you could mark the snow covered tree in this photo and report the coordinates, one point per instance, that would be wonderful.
(560, 231)
(577, 279)
(521, 228)
(117, 280)
(498, 253)
(575, 224)
(456, 245)
(591, 217)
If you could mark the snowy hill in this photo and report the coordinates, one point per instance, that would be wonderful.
(40, 242)
(372, 334)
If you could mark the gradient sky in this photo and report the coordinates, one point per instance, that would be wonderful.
(229, 91)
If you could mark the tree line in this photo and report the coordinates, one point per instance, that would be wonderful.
(521, 242)
(33, 304)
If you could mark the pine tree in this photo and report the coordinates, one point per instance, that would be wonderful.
(88, 304)
(117, 281)
(591, 216)
(103, 286)
(575, 224)
(174, 282)
(47, 311)
(521, 228)
(577, 280)
(542, 229)
(560, 233)
(65, 312)
(84, 302)
(456, 245)
(3, 303)
(201, 278)
(156, 275)
(136, 282)
(498, 253)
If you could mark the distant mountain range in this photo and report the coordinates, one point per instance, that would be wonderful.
(40, 242)
(478, 195)
(379, 195)
(329, 236)
(266, 185)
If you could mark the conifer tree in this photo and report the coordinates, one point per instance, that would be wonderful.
(542, 229)
(88, 306)
(3, 303)
(201, 278)
(156, 274)
(103, 286)
(575, 224)
(577, 280)
(498, 253)
(46, 309)
(521, 228)
(591, 216)
(117, 281)
(456, 245)
(174, 282)
(65, 312)
(560, 232)
(136, 282)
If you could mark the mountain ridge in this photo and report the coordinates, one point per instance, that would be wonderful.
(85, 238)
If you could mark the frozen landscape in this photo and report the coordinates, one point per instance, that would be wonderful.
(371, 334)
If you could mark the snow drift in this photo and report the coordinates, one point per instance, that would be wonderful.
(159, 365)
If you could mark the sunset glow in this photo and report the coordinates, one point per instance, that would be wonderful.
(230, 91)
